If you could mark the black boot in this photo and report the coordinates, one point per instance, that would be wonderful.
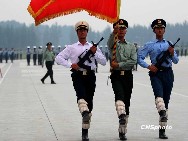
(53, 82)
(162, 134)
(122, 121)
(85, 135)
(122, 137)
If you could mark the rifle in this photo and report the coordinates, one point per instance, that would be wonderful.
(87, 57)
(164, 57)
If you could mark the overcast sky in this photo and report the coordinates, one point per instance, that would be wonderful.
(141, 12)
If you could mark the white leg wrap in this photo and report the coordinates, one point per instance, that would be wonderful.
(159, 102)
(120, 107)
(82, 105)
(123, 128)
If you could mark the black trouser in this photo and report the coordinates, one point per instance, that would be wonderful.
(49, 71)
(122, 86)
(6, 59)
(1, 58)
(40, 59)
(34, 59)
(162, 84)
(28, 59)
(84, 86)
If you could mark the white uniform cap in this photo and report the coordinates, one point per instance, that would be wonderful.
(81, 24)
(34, 46)
(28, 46)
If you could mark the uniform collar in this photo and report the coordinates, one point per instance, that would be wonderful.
(78, 43)
(156, 40)
(122, 42)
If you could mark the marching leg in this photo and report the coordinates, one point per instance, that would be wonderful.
(162, 117)
(86, 118)
(123, 119)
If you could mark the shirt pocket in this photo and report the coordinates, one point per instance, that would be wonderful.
(124, 54)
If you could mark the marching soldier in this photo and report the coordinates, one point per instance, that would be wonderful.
(34, 56)
(28, 55)
(49, 58)
(161, 78)
(123, 58)
(83, 80)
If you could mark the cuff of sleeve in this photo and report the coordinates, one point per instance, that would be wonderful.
(69, 65)
(146, 66)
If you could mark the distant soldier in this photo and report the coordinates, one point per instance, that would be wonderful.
(17, 54)
(49, 58)
(1, 55)
(6, 55)
(58, 50)
(136, 65)
(106, 52)
(34, 55)
(21, 53)
(185, 52)
(28, 55)
(40, 54)
(161, 77)
(12, 55)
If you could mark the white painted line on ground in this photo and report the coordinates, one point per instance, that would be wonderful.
(1, 80)
(183, 95)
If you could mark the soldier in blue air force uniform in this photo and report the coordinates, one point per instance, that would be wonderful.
(161, 78)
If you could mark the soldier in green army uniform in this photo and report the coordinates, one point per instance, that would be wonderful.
(49, 57)
(124, 57)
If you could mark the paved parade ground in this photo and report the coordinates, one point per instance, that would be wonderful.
(32, 111)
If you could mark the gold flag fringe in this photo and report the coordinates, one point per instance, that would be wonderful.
(34, 15)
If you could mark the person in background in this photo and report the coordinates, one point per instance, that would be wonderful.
(49, 58)
(34, 56)
(28, 55)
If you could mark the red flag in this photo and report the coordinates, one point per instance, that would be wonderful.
(43, 10)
